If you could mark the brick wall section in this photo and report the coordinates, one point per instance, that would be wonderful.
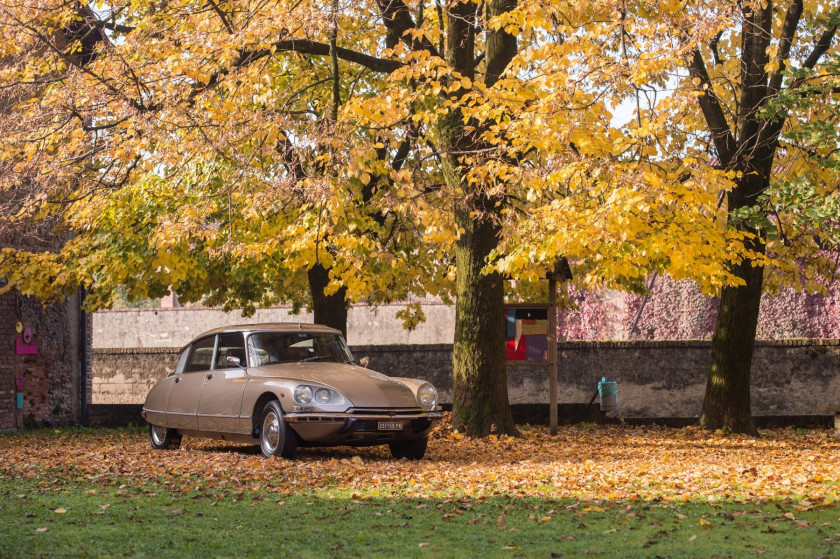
(655, 378)
(8, 362)
(677, 310)
(51, 393)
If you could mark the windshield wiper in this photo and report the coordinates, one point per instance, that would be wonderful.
(314, 358)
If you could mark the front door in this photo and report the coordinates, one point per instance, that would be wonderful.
(221, 397)
(186, 387)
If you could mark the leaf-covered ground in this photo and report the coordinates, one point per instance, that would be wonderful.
(583, 462)
(649, 491)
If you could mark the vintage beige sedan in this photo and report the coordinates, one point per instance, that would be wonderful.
(284, 386)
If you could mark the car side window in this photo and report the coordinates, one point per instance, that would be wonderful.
(230, 345)
(201, 355)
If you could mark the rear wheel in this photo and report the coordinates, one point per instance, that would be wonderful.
(276, 436)
(163, 438)
(413, 450)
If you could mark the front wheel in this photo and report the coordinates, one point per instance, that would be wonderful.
(413, 450)
(276, 436)
(163, 438)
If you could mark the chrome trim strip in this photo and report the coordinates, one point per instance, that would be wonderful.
(314, 416)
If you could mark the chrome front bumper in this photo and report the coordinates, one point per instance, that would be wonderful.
(305, 417)
(360, 428)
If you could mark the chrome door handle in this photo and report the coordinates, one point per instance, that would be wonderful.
(208, 377)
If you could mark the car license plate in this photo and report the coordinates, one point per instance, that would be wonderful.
(390, 426)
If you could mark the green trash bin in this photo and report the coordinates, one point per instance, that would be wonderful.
(608, 391)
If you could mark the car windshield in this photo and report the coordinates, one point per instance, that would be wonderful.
(270, 348)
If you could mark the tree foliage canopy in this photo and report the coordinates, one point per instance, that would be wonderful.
(231, 149)
(194, 144)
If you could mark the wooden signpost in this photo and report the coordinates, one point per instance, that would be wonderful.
(534, 326)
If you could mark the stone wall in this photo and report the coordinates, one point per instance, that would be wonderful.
(655, 379)
(125, 376)
(175, 327)
(51, 374)
(675, 310)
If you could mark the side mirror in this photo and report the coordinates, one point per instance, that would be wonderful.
(233, 361)
(364, 361)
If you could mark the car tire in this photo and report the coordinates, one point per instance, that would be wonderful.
(276, 436)
(413, 450)
(163, 438)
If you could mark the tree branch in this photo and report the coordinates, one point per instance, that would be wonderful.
(788, 31)
(823, 44)
(397, 19)
(301, 46)
(713, 45)
(710, 105)
(221, 15)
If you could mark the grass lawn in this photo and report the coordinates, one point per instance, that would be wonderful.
(603, 491)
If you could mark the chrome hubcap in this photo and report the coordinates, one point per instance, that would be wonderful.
(158, 434)
(271, 432)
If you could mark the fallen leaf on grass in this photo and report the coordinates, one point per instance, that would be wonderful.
(692, 538)
(59, 510)
(677, 465)
(42, 529)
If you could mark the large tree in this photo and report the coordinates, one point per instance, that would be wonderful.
(207, 154)
(751, 58)
(728, 159)
(208, 98)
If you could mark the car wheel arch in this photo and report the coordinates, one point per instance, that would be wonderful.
(256, 413)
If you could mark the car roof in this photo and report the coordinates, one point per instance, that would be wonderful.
(266, 327)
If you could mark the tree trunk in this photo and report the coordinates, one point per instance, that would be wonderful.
(329, 310)
(727, 401)
(479, 375)
(479, 382)
(726, 404)
(751, 153)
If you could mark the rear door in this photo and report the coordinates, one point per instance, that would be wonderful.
(221, 397)
(186, 386)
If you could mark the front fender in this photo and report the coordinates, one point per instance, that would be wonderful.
(414, 385)
(283, 390)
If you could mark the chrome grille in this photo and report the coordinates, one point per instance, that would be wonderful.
(385, 411)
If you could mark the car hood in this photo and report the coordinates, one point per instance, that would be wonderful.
(365, 388)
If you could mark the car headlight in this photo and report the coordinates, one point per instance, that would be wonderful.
(322, 396)
(305, 394)
(427, 396)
